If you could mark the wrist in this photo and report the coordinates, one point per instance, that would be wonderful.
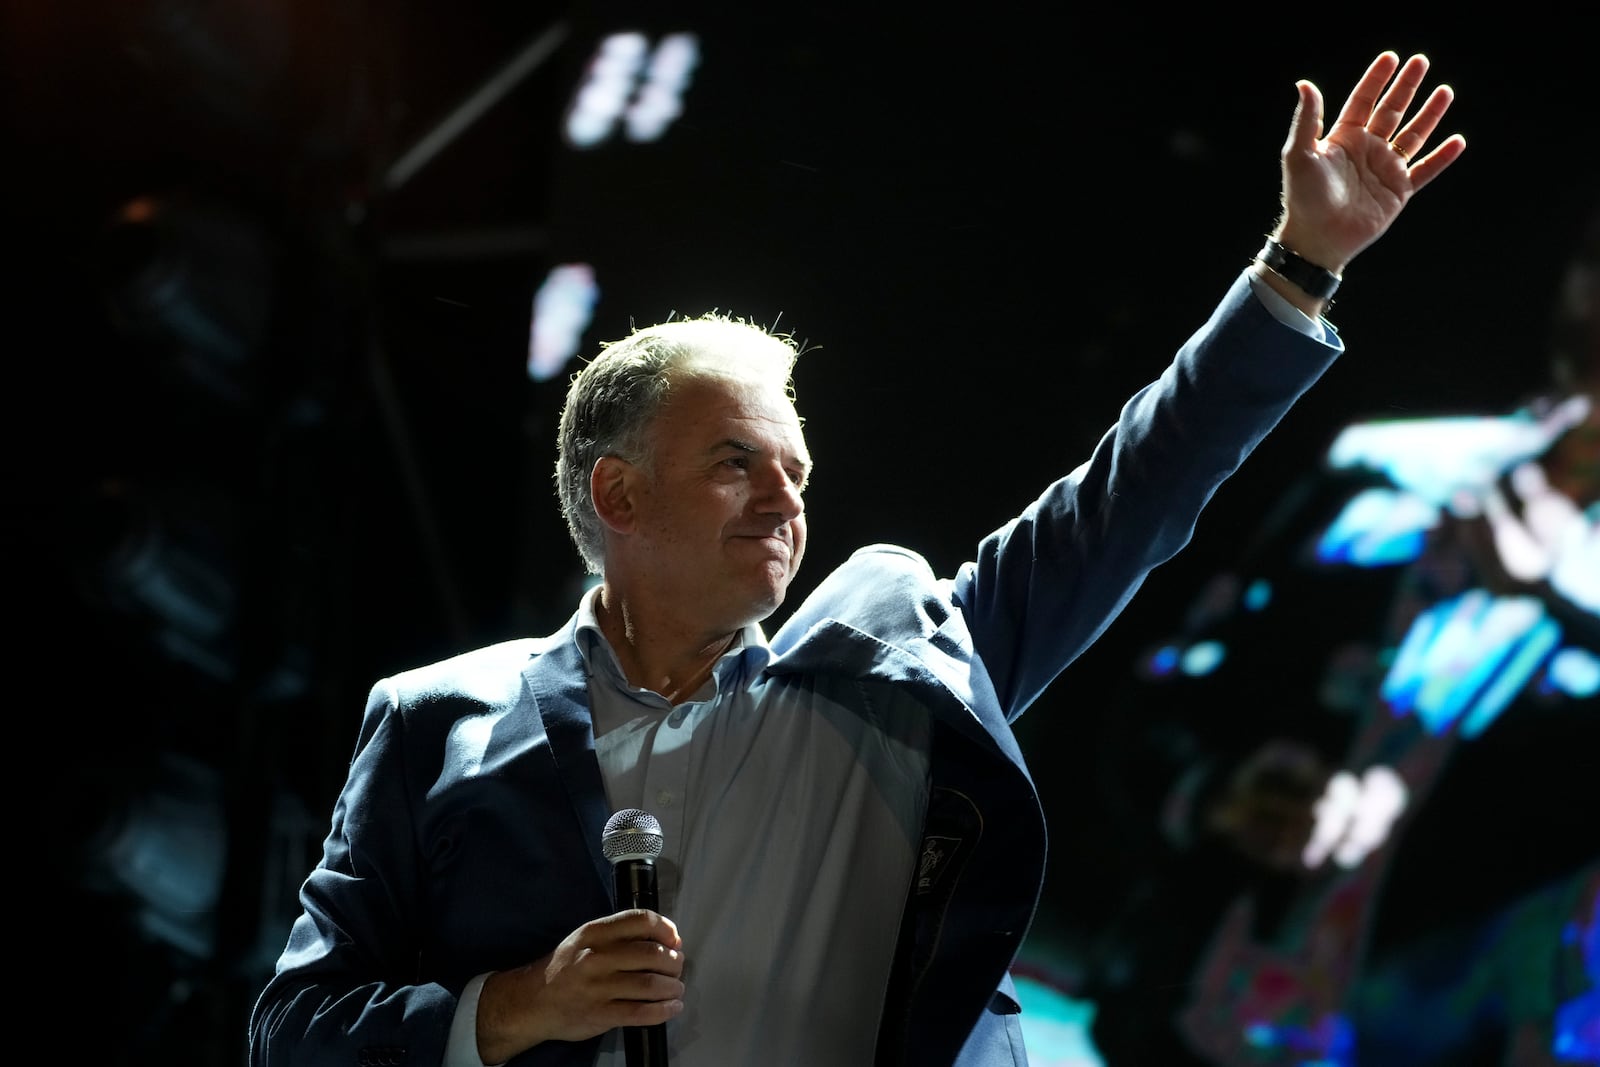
(1310, 277)
(1310, 243)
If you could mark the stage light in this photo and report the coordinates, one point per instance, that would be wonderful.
(164, 845)
(194, 283)
(628, 83)
(1463, 660)
(1378, 528)
(562, 310)
(1354, 816)
(162, 559)
(660, 97)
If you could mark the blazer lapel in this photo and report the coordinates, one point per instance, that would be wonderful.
(558, 684)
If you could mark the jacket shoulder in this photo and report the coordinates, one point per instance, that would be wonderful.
(486, 677)
(886, 590)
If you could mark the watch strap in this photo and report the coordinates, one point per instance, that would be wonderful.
(1310, 278)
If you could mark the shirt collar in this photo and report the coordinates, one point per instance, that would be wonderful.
(747, 657)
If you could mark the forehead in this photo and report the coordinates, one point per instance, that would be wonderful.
(714, 402)
(731, 391)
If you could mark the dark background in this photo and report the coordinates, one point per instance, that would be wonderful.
(272, 435)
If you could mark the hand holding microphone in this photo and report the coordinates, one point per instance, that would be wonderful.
(631, 841)
(611, 971)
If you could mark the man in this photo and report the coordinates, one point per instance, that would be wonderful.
(854, 848)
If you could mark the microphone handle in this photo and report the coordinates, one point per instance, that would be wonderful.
(644, 1046)
(636, 884)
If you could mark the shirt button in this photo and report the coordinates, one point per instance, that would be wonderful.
(664, 799)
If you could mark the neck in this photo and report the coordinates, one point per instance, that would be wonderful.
(656, 654)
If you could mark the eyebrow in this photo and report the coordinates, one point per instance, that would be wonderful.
(803, 462)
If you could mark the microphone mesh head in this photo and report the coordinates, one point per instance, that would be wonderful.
(631, 834)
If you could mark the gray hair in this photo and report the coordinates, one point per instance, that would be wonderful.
(613, 400)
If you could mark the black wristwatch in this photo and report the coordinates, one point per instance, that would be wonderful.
(1314, 280)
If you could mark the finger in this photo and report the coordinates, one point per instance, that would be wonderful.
(636, 924)
(1434, 163)
(642, 1012)
(643, 985)
(632, 999)
(1363, 99)
(1306, 127)
(646, 957)
(1410, 139)
(1391, 109)
(626, 990)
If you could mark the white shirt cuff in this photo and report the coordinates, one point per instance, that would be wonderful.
(1287, 313)
(462, 1048)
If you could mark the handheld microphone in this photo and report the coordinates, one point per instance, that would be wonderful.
(631, 841)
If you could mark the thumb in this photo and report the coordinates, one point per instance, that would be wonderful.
(1306, 127)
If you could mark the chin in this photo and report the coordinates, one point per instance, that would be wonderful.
(766, 605)
(770, 599)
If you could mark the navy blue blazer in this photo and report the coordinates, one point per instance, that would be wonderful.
(466, 837)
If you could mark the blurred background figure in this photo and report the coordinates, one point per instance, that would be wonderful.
(1358, 772)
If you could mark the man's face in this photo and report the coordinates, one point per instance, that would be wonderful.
(720, 522)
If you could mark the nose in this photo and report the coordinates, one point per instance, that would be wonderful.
(777, 494)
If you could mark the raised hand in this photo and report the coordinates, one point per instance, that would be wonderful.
(1342, 191)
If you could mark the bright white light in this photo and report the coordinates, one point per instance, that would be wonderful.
(562, 310)
(1354, 816)
(1576, 571)
(606, 88)
(1439, 458)
(660, 98)
(1383, 798)
(628, 82)
(1335, 810)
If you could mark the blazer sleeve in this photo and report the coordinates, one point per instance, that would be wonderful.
(490, 746)
(344, 991)
(1045, 585)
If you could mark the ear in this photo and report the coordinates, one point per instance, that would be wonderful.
(611, 485)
